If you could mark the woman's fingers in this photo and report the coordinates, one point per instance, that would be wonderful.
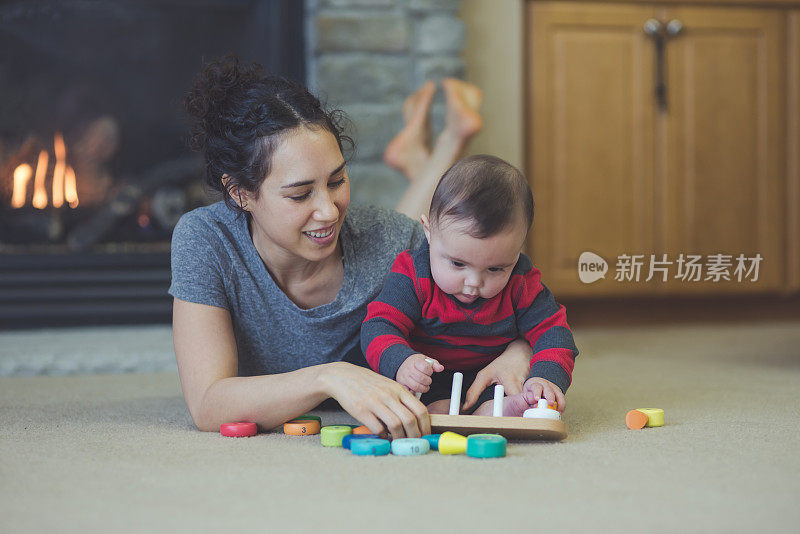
(420, 413)
(390, 420)
(399, 419)
(482, 381)
(373, 423)
(379, 402)
(512, 384)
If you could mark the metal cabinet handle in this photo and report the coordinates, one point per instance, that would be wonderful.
(652, 27)
(674, 27)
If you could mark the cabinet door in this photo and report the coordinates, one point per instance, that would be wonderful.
(723, 178)
(590, 119)
(793, 151)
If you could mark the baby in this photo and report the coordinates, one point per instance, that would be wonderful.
(467, 292)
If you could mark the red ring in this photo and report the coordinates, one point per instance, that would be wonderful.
(241, 429)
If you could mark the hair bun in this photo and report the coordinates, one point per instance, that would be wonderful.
(208, 101)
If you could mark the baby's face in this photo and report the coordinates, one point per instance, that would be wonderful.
(467, 267)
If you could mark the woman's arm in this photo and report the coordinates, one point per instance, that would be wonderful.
(205, 350)
(207, 364)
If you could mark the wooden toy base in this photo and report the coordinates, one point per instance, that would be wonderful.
(508, 427)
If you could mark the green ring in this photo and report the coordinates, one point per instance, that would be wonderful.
(486, 446)
(331, 436)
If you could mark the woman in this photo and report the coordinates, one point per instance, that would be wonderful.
(272, 284)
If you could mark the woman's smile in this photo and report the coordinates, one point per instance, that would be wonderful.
(323, 236)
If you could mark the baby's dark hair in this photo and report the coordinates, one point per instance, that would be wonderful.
(484, 190)
(239, 115)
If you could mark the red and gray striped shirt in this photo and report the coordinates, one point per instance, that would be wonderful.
(412, 315)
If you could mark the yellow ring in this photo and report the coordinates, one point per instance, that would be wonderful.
(655, 416)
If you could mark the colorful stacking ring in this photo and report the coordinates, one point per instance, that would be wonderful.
(410, 447)
(636, 419)
(332, 435)
(348, 439)
(370, 447)
(241, 429)
(301, 427)
(309, 417)
(433, 440)
(655, 416)
(486, 446)
(452, 443)
(361, 430)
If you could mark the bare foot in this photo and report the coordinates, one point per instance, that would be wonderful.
(513, 406)
(462, 101)
(409, 149)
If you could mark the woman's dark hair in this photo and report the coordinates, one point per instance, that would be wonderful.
(239, 114)
(484, 190)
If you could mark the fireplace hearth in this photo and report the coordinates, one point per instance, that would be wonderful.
(94, 168)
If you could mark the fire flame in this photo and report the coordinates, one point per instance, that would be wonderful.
(64, 180)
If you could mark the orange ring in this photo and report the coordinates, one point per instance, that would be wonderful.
(362, 430)
(301, 427)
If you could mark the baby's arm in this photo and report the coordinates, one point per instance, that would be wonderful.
(544, 324)
(390, 319)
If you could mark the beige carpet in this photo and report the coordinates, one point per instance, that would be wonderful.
(118, 453)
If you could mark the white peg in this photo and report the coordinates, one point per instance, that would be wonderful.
(497, 408)
(455, 394)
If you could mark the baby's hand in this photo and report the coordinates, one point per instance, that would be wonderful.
(535, 388)
(415, 373)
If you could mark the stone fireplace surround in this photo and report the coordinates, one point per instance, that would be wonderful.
(365, 57)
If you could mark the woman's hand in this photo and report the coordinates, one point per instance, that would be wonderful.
(509, 369)
(376, 401)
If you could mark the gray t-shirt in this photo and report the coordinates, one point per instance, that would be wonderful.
(214, 262)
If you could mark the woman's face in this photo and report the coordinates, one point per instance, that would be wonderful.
(302, 202)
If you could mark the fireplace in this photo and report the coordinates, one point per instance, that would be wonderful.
(94, 169)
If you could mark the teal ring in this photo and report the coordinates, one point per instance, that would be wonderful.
(486, 446)
(370, 447)
(433, 439)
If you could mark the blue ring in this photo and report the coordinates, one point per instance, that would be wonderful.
(370, 447)
(350, 437)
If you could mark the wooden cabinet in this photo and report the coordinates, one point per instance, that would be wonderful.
(793, 149)
(701, 171)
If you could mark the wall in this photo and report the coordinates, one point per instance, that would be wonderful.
(494, 62)
(365, 57)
